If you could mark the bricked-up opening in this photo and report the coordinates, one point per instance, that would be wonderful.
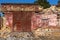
(22, 21)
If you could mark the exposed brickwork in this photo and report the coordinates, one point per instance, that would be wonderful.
(22, 20)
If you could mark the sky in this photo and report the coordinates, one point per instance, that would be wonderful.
(52, 2)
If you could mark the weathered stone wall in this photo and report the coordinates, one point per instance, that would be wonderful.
(22, 14)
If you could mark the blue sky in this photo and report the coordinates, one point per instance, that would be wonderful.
(54, 2)
(25, 1)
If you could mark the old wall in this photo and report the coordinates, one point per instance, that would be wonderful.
(22, 14)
